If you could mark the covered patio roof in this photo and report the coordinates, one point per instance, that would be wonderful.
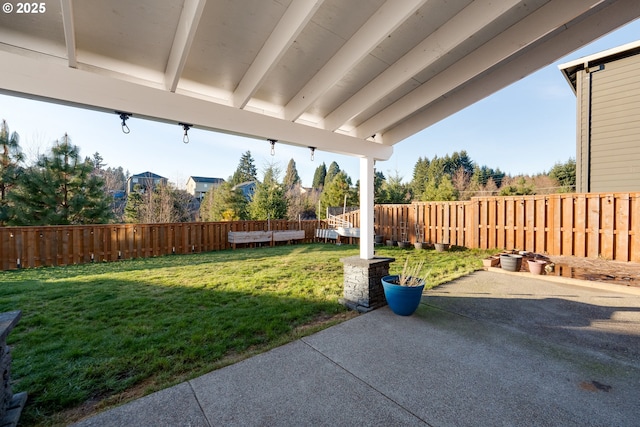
(353, 77)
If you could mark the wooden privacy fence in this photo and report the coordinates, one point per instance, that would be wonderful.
(24, 247)
(589, 225)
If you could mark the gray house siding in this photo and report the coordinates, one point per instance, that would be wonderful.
(615, 127)
(608, 123)
(582, 152)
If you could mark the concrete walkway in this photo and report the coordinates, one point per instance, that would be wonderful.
(487, 349)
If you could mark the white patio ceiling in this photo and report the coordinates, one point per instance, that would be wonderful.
(347, 76)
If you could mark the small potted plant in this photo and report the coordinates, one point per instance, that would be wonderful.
(441, 247)
(420, 245)
(511, 262)
(404, 291)
(404, 243)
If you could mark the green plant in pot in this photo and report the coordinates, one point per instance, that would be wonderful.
(404, 291)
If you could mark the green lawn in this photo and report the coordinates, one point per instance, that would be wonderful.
(98, 334)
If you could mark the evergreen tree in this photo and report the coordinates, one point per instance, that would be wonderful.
(269, 201)
(420, 176)
(335, 192)
(518, 188)
(441, 189)
(98, 161)
(59, 190)
(114, 185)
(319, 176)
(437, 169)
(224, 203)
(246, 170)
(333, 170)
(291, 177)
(133, 206)
(482, 174)
(458, 161)
(11, 158)
(394, 190)
(379, 180)
(565, 175)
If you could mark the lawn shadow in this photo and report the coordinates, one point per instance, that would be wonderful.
(178, 260)
(91, 339)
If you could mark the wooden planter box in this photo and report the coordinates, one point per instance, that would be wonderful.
(492, 261)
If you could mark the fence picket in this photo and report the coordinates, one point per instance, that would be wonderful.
(608, 224)
(622, 224)
(634, 232)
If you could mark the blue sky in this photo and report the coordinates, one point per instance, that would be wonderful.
(525, 128)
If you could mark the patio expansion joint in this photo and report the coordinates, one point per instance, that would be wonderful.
(360, 380)
(195, 396)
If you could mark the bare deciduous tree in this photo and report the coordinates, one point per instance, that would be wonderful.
(461, 179)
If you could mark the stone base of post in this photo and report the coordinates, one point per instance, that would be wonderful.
(363, 290)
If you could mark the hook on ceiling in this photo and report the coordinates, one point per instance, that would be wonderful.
(273, 146)
(185, 127)
(124, 117)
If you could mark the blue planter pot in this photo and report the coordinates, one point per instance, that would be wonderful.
(402, 300)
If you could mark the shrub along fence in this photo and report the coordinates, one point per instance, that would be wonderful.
(589, 225)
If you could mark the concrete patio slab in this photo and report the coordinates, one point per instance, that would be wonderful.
(174, 406)
(487, 349)
(291, 386)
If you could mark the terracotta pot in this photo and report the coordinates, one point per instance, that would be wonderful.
(536, 266)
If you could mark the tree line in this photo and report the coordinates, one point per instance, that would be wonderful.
(452, 177)
(61, 188)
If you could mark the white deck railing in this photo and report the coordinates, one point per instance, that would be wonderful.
(335, 222)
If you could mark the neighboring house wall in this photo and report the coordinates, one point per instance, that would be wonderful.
(191, 186)
(615, 127)
(582, 135)
(199, 186)
(146, 180)
(248, 189)
(608, 120)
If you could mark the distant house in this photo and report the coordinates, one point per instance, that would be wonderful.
(248, 189)
(146, 180)
(607, 87)
(198, 186)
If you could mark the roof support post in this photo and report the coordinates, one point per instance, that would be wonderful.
(366, 207)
